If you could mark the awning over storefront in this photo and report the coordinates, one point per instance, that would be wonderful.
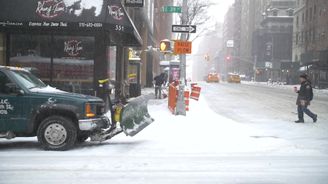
(69, 15)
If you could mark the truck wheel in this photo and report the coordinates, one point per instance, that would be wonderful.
(57, 133)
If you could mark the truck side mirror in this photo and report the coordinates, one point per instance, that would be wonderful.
(12, 88)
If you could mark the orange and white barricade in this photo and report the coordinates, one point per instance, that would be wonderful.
(195, 92)
(173, 97)
(172, 101)
(186, 97)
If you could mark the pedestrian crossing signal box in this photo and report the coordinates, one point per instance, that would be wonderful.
(166, 46)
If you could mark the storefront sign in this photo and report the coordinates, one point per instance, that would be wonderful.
(134, 3)
(67, 15)
(49, 9)
(73, 48)
(116, 12)
(9, 23)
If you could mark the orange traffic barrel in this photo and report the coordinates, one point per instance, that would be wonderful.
(195, 92)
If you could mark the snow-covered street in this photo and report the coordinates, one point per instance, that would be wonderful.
(240, 134)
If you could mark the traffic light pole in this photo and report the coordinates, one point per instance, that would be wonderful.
(181, 106)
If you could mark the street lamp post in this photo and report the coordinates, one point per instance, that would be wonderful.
(181, 106)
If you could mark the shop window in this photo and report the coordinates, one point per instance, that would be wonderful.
(73, 63)
(323, 75)
(31, 51)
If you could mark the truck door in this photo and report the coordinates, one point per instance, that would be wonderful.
(12, 116)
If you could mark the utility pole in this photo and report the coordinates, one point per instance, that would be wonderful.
(181, 106)
(255, 69)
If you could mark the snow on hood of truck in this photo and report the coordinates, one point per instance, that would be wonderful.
(47, 89)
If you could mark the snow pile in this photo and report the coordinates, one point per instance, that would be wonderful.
(203, 132)
(85, 5)
(47, 89)
(282, 86)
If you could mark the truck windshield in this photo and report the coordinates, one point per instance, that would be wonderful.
(28, 80)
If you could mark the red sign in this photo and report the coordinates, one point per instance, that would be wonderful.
(182, 47)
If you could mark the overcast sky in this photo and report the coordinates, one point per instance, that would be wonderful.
(220, 9)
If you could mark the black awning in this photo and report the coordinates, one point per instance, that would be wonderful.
(68, 15)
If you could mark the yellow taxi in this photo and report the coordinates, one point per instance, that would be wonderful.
(213, 77)
(234, 78)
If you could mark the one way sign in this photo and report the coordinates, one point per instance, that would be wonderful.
(183, 29)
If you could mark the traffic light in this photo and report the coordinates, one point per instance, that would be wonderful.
(228, 58)
(207, 57)
(165, 46)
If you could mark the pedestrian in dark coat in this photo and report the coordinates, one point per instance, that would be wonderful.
(305, 96)
(159, 81)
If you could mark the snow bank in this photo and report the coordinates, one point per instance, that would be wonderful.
(282, 86)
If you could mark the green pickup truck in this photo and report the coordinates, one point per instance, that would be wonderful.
(59, 119)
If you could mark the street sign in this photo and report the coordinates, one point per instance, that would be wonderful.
(230, 44)
(182, 47)
(184, 29)
(134, 3)
(172, 9)
(268, 65)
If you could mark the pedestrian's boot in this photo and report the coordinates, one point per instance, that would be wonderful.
(299, 121)
(315, 118)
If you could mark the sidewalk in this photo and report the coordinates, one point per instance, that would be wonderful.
(282, 86)
(203, 131)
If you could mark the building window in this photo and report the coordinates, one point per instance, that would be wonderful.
(290, 12)
(323, 75)
(296, 40)
(70, 57)
(306, 15)
(297, 21)
(32, 51)
(313, 35)
(73, 63)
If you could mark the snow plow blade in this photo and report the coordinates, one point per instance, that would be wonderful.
(135, 116)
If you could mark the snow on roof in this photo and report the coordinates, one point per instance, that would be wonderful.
(14, 68)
